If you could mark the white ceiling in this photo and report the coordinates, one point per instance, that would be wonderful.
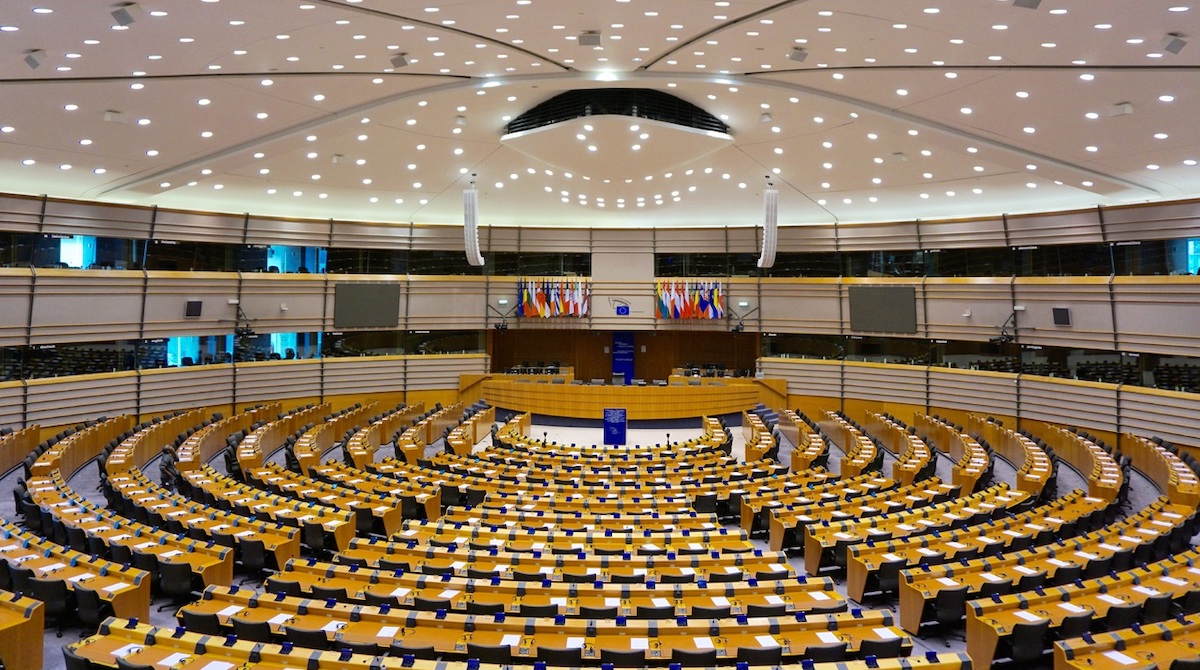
(901, 110)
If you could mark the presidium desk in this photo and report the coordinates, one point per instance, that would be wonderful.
(712, 398)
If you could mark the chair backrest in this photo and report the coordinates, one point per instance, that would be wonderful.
(20, 579)
(1029, 640)
(277, 584)
(75, 661)
(879, 648)
(430, 604)
(489, 653)
(700, 658)
(760, 655)
(306, 637)
(175, 578)
(622, 658)
(950, 606)
(565, 658)
(326, 592)
(664, 612)
(52, 592)
(201, 622)
(1122, 616)
(253, 631)
(826, 652)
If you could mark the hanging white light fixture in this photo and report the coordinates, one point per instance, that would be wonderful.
(471, 225)
(770, 226)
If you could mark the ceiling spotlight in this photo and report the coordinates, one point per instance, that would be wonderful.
(460, 120)
(765, 117)
(1174, 42)
(589, 38)
(400, 60)
(1027, 4)
(127, 13)
(34, 58)
(798, 54)
(113, 116)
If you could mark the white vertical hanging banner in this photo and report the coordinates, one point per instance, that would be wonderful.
(471, 226)
(770, 228)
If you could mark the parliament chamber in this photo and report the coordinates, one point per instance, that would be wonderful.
(490, 334)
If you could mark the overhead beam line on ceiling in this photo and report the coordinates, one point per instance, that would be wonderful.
(940, 127)
(473, 174)
(639, 76)
(295, 129)
(1094, 67)
(718, 28)
(711, 75)
(783, 180)
(437, 26)
(120, 78)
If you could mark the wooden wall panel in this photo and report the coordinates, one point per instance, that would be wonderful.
(372, 374)
(1076, 227)
(371, 235)
(745, 240)
(12, 404)
(1168, 220)
(691, 241)
(802, 306)
(432, 373)
(273, 380)
(973, 391)
(1068, 401)
(875, 236)
(949, 300)
(1086, 297)
(16, 294)
(1157, 314)
(20, 214)
(72, 217)
(170, 389)
(183, 226)
(292, 232)
(963, 233)
(554, 240)
(167, 294)
(65, 400)
(285, 303)
(807, 238)
(445, 303)
(105, 306)
(428, 236)
(805, 377)
(884, 384)
(1171, 415)
(495, 239)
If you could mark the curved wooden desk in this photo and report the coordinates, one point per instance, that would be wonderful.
(642, 402)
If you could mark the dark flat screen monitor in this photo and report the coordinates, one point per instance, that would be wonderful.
(883, 309)
(358, 305)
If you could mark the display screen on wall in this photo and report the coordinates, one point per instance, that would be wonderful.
(883, 309)
(358, 305)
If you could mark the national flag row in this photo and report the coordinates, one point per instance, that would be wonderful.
(689, 299)
(553, 297)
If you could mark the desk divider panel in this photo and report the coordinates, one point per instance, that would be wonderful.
(60, 401)
(364, 375)
(170, 389)
(1080, 403)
